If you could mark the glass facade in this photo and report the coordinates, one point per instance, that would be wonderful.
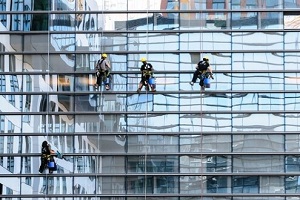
(238, 140)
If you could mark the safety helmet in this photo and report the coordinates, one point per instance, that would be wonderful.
(143, 59)
(45, 144)
(205, 58)
(104, 55)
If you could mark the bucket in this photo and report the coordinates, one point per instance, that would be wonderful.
(106, 81)
(206, 82)
(151, 81)
(51, 164)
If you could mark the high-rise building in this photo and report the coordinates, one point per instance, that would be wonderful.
(238, 139)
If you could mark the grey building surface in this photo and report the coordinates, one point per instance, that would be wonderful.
(237, 140)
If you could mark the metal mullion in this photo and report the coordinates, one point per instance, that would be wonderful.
(151, 52)
(144, 11)
(138, 72)
(154, 113)
(152, 133)
(150, 31)
(157, 195)
(153, 174)
(223, 93)
(194, 154)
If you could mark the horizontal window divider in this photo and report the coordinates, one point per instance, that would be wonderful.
(92, 72)
(124, 52)
(158, 113)
(152, 133)
(150, 114)
(145, 11)
(141, 195)
(207, 93)
(193, 154)
(130, 175)
(149, 31)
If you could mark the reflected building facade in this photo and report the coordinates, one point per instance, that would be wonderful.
(237, 140)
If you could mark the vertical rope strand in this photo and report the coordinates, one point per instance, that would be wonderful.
(48, 66)
(100, 98)
(201, 103)
(146, 129)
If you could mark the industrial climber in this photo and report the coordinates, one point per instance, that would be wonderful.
(47, 158)
(103, 72)
(147, 78)
(203, 70)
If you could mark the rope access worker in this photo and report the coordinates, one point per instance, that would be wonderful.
(46, 156)
(146, 73)
(202, 68)
(103, 72)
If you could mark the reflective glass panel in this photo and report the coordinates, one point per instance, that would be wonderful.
(79, 185)
(139, 123)
(152, 164)
(257, 41)
(292, 61)
(271, 20)
(258, 143)
(261, 101)
(152, 184)
(292, 101)
(292, 122)
(292, 163)
(292, 140)
(204, 184)
(267, 163)
(292, 81)
(291, 40)
(205, 122)
(192, 164)
(291, 4)
(63, 22)
(207, 41)
(255, 81)
(206, 143)
(152, 143)
(111, 185)
(244, 20)
(138, 5)
(51, 123)
(292, 185)
(257, 122)
(255, 184)
(257, 61)
(208, 102)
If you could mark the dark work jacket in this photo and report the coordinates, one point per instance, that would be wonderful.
(202, 66)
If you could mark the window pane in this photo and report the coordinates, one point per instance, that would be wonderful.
(258, 122)
(263, 41)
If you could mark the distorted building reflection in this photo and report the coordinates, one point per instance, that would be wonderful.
(239, 138)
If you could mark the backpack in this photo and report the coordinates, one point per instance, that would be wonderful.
(99, 65)
(45, 150)
(202, 66)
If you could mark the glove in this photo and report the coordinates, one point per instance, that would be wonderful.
(98, 74)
